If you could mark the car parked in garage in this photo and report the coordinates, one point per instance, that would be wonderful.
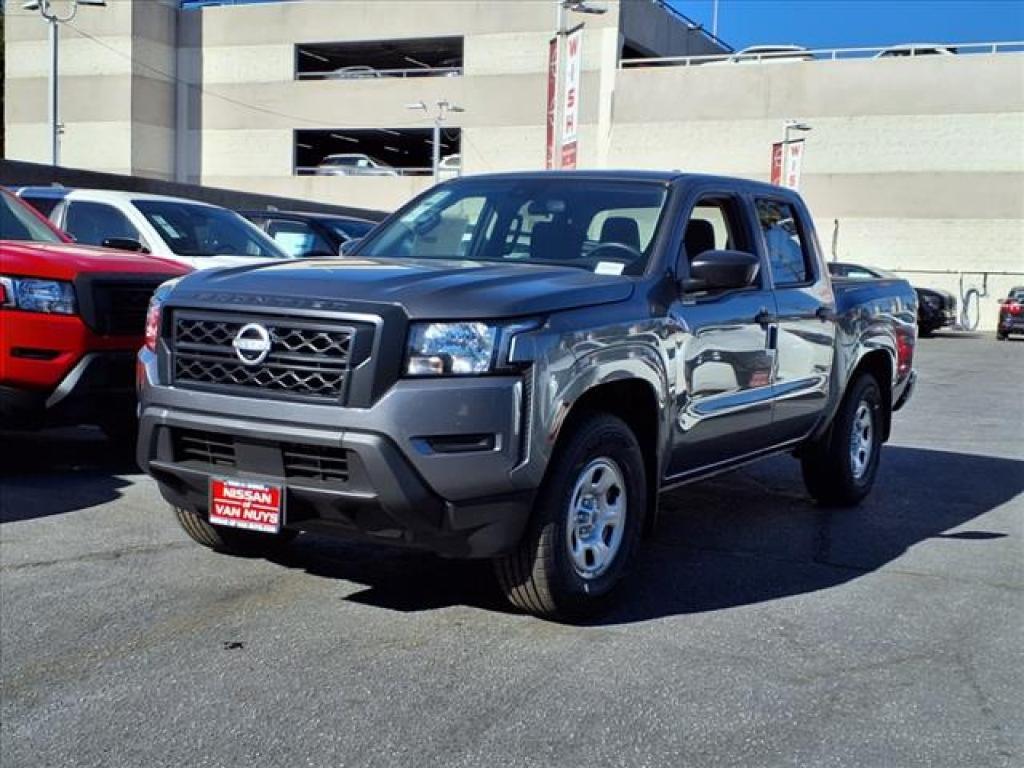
(309, 234)
(353, 164)
(196, 234)
(71, 320)
(1011, 314)
(935, 308)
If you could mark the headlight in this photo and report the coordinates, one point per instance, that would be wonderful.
(32, 295)
(156, 303)
(451, 349)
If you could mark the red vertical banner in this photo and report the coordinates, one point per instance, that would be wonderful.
(777, 163)
(549, 157)
(571, 97)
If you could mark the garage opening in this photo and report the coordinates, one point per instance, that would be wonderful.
(374, 151)
(417, 57)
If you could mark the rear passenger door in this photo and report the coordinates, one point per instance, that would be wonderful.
(804, 331)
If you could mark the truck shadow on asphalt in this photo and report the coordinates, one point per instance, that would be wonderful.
(742, 538)
(87, 465)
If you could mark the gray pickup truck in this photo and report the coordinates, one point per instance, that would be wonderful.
(514, 367)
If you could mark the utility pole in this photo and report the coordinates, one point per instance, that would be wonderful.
(54, 19)
(444, 107)
(714, 18)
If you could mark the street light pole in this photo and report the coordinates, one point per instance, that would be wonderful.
(443, 108)
(52, 111)
(54, 19)
(793, 125)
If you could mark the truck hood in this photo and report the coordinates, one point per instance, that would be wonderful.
(425, 288)
(65, 261)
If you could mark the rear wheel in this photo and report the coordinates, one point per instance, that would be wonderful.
(1000, 336)
(840, 470)
(585, 526)
(232, 541)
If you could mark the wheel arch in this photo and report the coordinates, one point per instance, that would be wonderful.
(879, 364)
(637, 403)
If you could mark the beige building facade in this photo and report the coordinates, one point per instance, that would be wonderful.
(912, 164)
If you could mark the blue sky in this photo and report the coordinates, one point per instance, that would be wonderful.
(859, 23)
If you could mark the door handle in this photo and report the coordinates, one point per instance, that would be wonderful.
(824, 314)
(765, 318)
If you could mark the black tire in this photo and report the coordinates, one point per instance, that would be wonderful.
(925, 331)
(231, 541)
(1002, 336)
(832, 474)
(540, 576)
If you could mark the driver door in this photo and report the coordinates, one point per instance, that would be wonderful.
(724, 355)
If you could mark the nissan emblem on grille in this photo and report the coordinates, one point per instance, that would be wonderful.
(252, 344)
(282, 356)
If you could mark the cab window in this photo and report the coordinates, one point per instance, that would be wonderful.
(788, 255)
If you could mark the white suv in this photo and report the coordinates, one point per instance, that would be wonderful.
(187, 231)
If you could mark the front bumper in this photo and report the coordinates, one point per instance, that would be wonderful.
(429, 465)
(97, 390)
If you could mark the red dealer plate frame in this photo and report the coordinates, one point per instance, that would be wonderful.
(247, 505)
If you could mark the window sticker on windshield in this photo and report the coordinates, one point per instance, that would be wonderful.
(609, 268)
(167, 227)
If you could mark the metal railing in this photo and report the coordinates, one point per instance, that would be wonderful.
(829, 54)
(314, 170)
(379, 74)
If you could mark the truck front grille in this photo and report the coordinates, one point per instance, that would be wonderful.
(114, 305)
(305, 359)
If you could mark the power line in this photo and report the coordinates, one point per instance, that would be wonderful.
(201, 89)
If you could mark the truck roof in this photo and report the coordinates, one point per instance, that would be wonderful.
(624, 174)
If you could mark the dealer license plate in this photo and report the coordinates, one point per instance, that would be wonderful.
(252, 506)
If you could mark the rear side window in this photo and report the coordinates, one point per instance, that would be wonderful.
(44, 205)
(298, 238)
(788, 255)
(92, 223)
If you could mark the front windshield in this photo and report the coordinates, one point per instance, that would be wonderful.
(202, 230)
(603, 226)
(19, 223)
(349, 230)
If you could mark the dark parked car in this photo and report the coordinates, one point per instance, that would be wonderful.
(935, 309)
(309, 234)
(514, 366)
(1011, 313)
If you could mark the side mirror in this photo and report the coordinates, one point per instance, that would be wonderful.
(722, 270)
(124, 244)
(348, 246)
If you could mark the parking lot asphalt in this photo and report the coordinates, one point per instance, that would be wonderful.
(757, 630)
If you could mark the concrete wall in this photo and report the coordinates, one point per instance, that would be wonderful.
(920, 161)
(117, 99)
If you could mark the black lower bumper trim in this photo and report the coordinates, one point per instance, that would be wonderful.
(98, 390)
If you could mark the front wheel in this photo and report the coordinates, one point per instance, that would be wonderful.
(231, 541)
(840, 470)
(585, 526)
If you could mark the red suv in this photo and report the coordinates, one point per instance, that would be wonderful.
(71, 320)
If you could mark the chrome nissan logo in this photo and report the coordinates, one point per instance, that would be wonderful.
(252, 344)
